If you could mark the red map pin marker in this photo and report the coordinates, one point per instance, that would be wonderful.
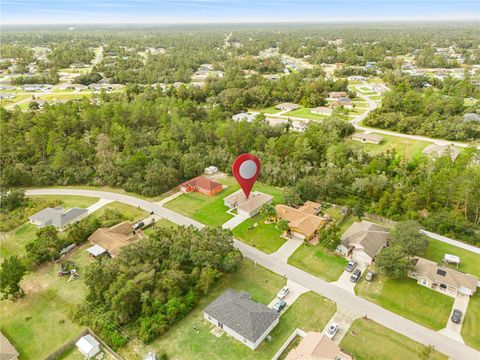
(246, 168)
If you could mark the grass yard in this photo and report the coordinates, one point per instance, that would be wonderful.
(13, 242)
(68, 201)
(191, 337)
(367, 340)
(28, 322)
(269, 110)
(408, 299)
(318, 261)
(158, 224)
(375, 97)
(471, 323)
(469, 261)
(305, 113)
(131, 213)
(265, 237)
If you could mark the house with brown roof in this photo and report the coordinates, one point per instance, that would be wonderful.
(321, 110)
(443, 279)
(7, 350)
(111, 240)
(304, 221)
(202, 185)
(247, 207)
(342, 102)
(337, 94)
(367, 138)
(363, 241)
(317, 346)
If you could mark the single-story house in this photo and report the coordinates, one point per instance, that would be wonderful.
(471, 117)
(247, 207)
(337, 94)
(211, 170)
(317, 346)
(202, 185)
(301, 222)
(321, 110)
(57, 216)
(7, 350)
(249, 117)
(287, 106)
(363, 241)
(242, 318)
(346, 102)
(299, 125)
(356, 78)
(367, 138)
(111, 239)
(435, 151)
(88, 346)
(443, 279)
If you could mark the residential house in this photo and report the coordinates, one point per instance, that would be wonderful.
(57, 216)
(443, 279)
(88, 346)
(211, 170)
(434, 151)
(346, 102)
(242, 318)
(247, 207)
(299, 125)
(337, 94)
(111, 240)
(249, 117)
(7, 350)
(357, 78)
(287, 106)
(302, 222)
(471, 117)
(202, 185)
(321, 110)
(367, 138)
(317, 346)
(7, 96)
(363, 241)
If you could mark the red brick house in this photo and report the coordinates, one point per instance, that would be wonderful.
(202, 185)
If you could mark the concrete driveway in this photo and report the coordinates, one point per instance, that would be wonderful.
(98, 205)
(234, 222)
(344, 317)
(296, 290)
(453, 330)
(287, 249)
(344, 279)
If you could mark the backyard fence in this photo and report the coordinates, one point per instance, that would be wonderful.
(380, 219)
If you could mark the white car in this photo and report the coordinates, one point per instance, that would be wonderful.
(332, 330)
(283, 292)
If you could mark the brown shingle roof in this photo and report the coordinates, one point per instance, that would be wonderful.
(317, 346)
(303, 222)
(113, 238)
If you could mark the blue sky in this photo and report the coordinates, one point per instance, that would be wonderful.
(229, 11)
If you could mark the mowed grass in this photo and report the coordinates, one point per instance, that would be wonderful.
(318, 261)
(469, 261)
(13, 242)
(265, 237)
(191, 338)
(367, 340)
(130, 213)
(408, 299)
(306, 113)
(68, 201)
(471, 322)
(268, 110)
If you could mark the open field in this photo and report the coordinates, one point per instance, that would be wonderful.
(471, 322)
(269, 110)
(13, 242)
(129, 212)
(191, 337)
(408, 299)
(68, 201)
(265, 237)
(404, 147)
(469, 261)
(367, 340)
(318, 261)
(306, 113)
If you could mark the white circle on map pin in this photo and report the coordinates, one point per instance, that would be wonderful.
(248, 169)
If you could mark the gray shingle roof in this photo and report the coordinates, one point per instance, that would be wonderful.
(238, 312)
(57, 216)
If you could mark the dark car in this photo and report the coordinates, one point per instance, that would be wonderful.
(355, 276)
(279, 305)
(456, 316)
(351, 265)
(138, 225)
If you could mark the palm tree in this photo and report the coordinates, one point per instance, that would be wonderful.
(282, 225)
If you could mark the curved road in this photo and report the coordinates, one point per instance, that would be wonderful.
(410, 329)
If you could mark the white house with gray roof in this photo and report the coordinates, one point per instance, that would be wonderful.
(242, 318)
(57, 216)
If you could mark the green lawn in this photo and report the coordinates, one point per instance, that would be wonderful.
(269, 110)
(305, 113)
(191, 338)
(28, 322)
(375, 97)
(367, 340)
(131, 213)
(68, 201)
(318, 261)
(265, 237)
(13, 242)
(160, 223)
(469, 261)
(408, 299)
(471, 322)
(64, 96)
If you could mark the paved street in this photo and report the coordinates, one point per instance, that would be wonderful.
(343, 298)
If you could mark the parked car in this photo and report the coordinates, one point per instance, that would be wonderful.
(332, 330)
(279, 305)
(456, 316)
(351, 265)
(283, 292)
(369, 276)
(356, 275)
(138, 225)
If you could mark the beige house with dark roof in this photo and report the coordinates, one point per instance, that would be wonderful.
(111, 239)
(317, 346)
(287, 106)
(435, 151)
(367, 138)
(443, 279)
(247, 207)
(363, 241)
(303, 222)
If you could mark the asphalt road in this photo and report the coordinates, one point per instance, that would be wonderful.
(410, 329)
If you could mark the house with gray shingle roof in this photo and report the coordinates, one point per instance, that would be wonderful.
(242, 318)
(57, 216)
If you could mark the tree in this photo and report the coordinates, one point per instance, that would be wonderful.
(407, 235)
(393, 262)
(11, 274)
(46, 246)
(11, 200)
(358, 210)
(282, 225)
(330, 237)
(268, 211)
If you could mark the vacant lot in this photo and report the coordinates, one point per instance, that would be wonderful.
(265, 237)
(68, 201)
(318, 261)
(405, 297)
(469, 261)
(367, 340)
(306, 113)
(130, 213)
(471, 322)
